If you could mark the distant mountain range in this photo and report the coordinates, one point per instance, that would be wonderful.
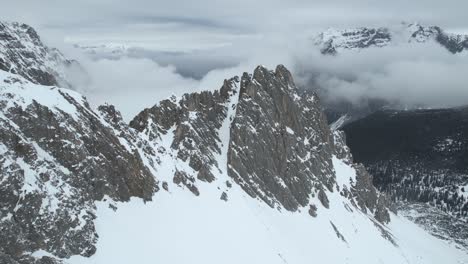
(332, 41)
(418, 157)
(336, 41)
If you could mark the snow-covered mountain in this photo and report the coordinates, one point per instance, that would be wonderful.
(22, 52)
(333, 41)
(248, 173)
(57, 157)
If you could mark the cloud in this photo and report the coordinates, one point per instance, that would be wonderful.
(260, 15)
(181, 47)
(407, 74)
(412, 75)
(132, 84)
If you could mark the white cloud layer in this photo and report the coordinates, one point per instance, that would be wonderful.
(413, 75)
(133, 84)
(188, 46)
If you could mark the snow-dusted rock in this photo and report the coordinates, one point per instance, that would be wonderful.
(22, 52)
(333, 41)
(250, 173)
(57, 158)
(273, 142)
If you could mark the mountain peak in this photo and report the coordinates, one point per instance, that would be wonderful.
(264, 105)
(333, 40)
(22, 52)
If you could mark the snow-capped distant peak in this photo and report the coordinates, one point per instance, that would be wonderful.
(333, 40)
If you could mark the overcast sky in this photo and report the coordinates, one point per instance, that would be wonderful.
(187, 25)
(187, 45)
(239, 15)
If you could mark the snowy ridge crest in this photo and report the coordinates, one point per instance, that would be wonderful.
(256, 138)
(57, 157)
(333, 41)
(22, 52)
(260, 133)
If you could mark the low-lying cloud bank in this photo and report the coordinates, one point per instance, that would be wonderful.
(412, 75)
(186, 47)
(132, 84)
(408, 75)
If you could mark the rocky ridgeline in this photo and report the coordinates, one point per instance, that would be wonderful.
(278, 145)
(58, 156)
(333, 40)
(22, 52)
(192, 125)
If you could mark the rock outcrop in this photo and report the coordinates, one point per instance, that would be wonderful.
(281, 147)
(22, 52)
(57, 158)
(260, 132)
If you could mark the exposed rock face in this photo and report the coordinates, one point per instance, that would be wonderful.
(23, 53)
(280, 146)
(332, 41)
(362, 192)
(57, 158)
(191, 130)
(359, 38)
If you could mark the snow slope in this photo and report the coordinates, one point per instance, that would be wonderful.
(179, 228)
